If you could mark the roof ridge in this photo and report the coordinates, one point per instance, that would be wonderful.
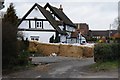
(60, 14)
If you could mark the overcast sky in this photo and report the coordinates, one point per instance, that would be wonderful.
(98, 14)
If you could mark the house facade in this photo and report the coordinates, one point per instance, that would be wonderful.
(102, 34)
(48, 23)
(83, 28)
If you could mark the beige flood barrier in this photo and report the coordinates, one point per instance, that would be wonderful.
(66, 50)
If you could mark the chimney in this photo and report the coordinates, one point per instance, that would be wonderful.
(61, 8)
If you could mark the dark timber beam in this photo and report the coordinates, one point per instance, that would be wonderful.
(36, 19)
(35, 24)
(43, 30)
(29, 24)
(27, 13)
(42, 24)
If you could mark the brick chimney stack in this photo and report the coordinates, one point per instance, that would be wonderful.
(61, 8)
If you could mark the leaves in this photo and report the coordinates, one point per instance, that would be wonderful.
(11, 16)
(9, 37)
(106, 52)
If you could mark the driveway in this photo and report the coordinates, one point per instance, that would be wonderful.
(62, 67)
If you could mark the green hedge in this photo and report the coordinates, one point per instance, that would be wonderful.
(23, 58)
(106, 52)
(23, 54)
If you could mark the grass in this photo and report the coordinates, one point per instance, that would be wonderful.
(17, 68)
(104, 66)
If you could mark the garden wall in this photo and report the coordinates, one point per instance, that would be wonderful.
(61, 49)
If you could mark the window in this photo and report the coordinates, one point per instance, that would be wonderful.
(32, 38)
(69, 28)
(36, 38)
(38, 24)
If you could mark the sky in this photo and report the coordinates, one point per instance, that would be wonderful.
(98, 14)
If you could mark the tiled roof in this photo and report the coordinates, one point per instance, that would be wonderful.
(60, 14)
(49, 17)
(103, 32)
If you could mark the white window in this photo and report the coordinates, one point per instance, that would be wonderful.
(38, 24)
(32, 38)
(69, 28)
(36, 38)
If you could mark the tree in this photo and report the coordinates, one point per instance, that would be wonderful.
(9, 37)
(118, 17)
(116, 24)
(11, 16)
(119, 25)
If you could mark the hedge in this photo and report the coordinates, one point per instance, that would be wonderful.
(106, 52)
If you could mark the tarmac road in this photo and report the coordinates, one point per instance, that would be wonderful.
(62, 67)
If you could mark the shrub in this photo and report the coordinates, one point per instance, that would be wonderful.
(106, 52)
(115, 50)
(22, 45)
(23, 58)
(23, 54)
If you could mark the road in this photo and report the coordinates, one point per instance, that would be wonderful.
(62, 67)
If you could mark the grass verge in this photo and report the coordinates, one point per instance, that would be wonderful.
(17, 68)
(104, 66)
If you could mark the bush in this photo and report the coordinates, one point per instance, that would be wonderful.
(106, 52)
(22, 45)
(22, 50)
(23, 58)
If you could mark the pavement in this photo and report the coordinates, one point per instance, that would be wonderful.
(62, 67)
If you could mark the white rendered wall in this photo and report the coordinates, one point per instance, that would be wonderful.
(62, 38)
(35, 14)
(43, 36)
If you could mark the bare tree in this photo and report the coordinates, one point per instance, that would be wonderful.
(118, 17)
(115, 24)
(118, 24)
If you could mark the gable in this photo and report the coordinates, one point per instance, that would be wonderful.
(46, 15)
(36, 19)
(35, 13)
